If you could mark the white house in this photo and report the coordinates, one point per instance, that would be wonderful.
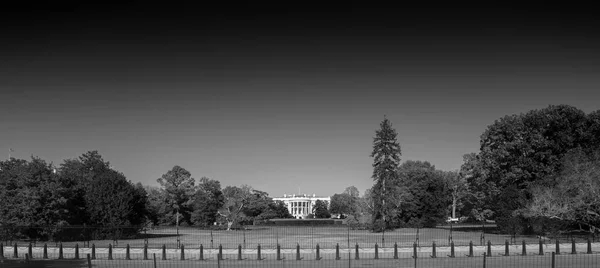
(301, 205)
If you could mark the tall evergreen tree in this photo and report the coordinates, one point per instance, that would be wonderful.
(386, 154)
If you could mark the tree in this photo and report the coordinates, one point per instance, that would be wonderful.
(320, 210)
(258, 204)
(427, 198)
(275, 210)
(114, 201)
(573, 196)
(178, 185)
(476, 203)
(32, 195)
(352, 191)
(236, 198)
(343, 204)
(457, 185)
(207, 201)
(386, 154)
(520, 152)
(155, 205)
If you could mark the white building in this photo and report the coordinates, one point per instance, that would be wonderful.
(301, 205)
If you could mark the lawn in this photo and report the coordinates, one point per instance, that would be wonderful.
(305, 236)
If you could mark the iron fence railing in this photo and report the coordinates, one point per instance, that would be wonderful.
(327, 237)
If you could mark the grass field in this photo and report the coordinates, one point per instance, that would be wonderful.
(306, 237)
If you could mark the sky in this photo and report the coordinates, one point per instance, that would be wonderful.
(286, 99)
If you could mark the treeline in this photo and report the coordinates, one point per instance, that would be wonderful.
(420, 196)
(87, 192)
(536, 173)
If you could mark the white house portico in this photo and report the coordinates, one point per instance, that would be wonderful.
(301, 205)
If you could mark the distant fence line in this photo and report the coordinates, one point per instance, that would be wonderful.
(267, 236)
(539, 255)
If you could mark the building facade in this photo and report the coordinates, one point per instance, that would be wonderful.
(301, 205)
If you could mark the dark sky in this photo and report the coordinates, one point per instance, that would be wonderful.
(283, 98)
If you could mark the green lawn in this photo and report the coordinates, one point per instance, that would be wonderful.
(306, 237)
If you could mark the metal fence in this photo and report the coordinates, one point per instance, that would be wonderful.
(327, 237)
(414, 257)
(288, 246)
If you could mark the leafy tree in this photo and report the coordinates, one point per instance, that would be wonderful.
(343, 204)
(519, 152)
(427, 196)
(320, 209)
(386, 154)
(236, 199)
(258, 203)
(207, 201)
(352, 191)
(592, 132)
(573, 196)
(114, 201)
(275, 210)
(476, 204)
(155, 205)
(179, 188)
(457, 185)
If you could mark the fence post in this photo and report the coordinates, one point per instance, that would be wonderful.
(60, 251)
(415, 251)
(356, 252)
(489, 248)
(484, 256)
(451, 250)
(395, 250)
(30, 251)
(145, 251)
(553, 260)
(15, 253)
(1, 251)
(573, 249)
(557, 247)
(298, 252)
(220, 257)
(278, 252)
(589, 246)
(154, 257)
(26, 258)
(258, 253)
(376, 251)
(524, 249)
(318, 253)
(110, 251)
(127, 256)
(182, 252)
(45, 251)
(239, 252)
(541, 248)
(77, 251)
(201, 252)
(433, 250)
(93, 251)
(89, 261)
(164, 252)
(470, 249)
(337, 251)
(506, 252)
